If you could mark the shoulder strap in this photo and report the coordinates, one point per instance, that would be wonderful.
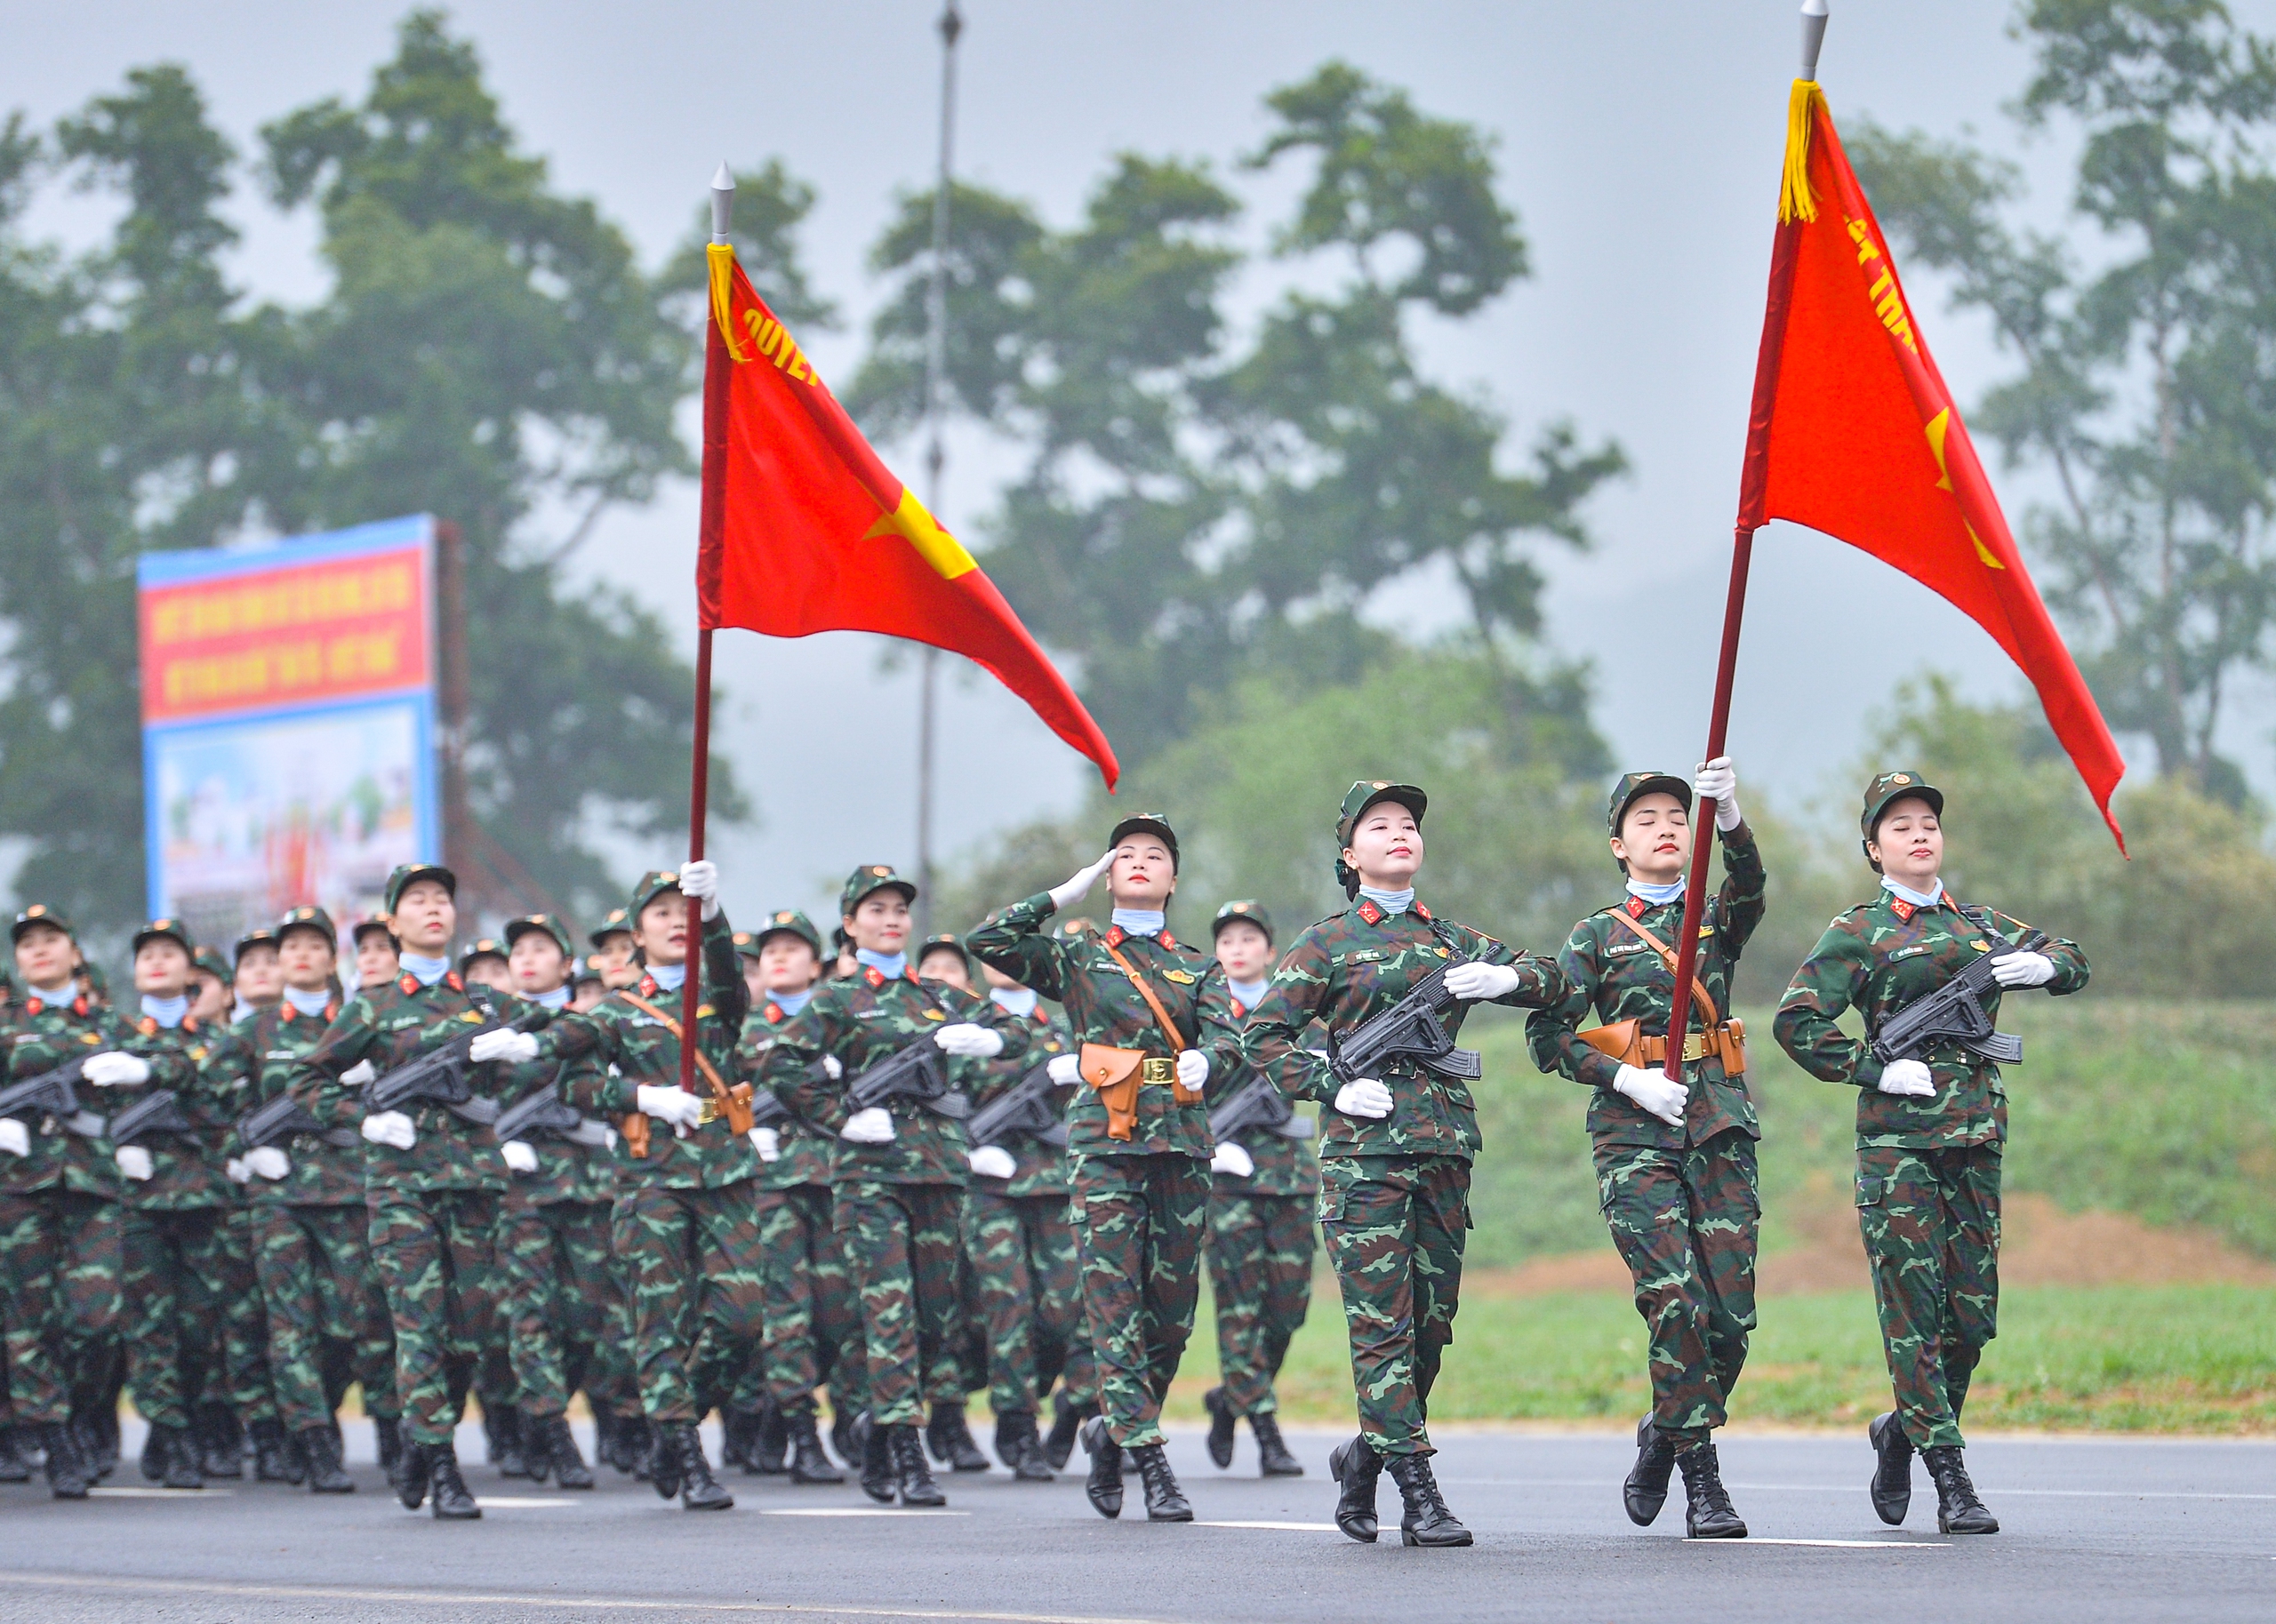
(703, 1062)
(1161, 1015)
(1667, 957)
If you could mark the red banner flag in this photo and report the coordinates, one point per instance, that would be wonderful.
(1855, 434)
(805, 529)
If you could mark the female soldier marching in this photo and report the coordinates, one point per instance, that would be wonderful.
(1930, 1129)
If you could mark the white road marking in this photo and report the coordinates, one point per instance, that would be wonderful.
(184, 1495)
(1272, 1527)
(891, 1511)
(1987, 1490)
(522, 1502)
(1840, 1544)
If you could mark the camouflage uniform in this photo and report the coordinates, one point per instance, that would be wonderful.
(1683, 1204)
(1139, 1204)
(1928, 1166)
(1394, 1194)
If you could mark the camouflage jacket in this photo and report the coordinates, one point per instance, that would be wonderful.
(861, 1021)
(264, 1048)
(1285, 1166)
(1610, 967)
(1355, 965)
(805, 1152)
(383, 1026)
(1103, 1006)
(1042, 1169)
(1875, 958)
(186, 1170)
(47, 1036)
(566, 1170)
(616, 1048)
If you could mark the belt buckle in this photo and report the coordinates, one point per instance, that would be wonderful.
(1158, 1069)
(1694, 1046)
(707, 1112)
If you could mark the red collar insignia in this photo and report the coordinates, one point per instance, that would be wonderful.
(648, 987)
(1240, 1010)
(1638, 908)
(1901, 909)
(148, 1025)
(772, 1013)
(409, 985)
(1369, 912)
(451, 980)
(1423, 911)
(874, 976)
(1038, 1016)
(1114, 936)
(1168, 941)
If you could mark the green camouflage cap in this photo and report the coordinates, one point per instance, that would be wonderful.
(487, 946)
(945, 942)
(789, 920)
(259, 936)
(1245, 911)
(97, 983)
(1887, 788)
(515, 929)
(653, 885)
(400, 881)
(584, 969)
(370, 922)
(1364, 794)
(869, 878)
(40, 913)
(309, 918)
(1633, 787)
(1147, 823)
(619, 923)
(165, 929)
(210, 960)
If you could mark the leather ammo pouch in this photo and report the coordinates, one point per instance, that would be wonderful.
(1624, 1040)
(731, 1103)
(1115, 1073)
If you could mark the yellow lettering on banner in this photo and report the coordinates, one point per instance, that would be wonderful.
(276, 605)
(1889, 305)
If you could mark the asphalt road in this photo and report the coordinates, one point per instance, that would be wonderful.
(2094, 1529)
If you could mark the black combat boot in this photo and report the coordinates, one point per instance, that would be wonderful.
(1066, 1424)
(507, 1451)
(1426, 1521)
(274, 1459)
(809, 1462)
(910, 1475)
(177, 1459)
(67, 1476)
(386, 1443)
(452, 1503)
(1223, 1425)
(101, 1447)
(1019, 1447)
(327, 1473)
(1105, 1484)
(770, 1446)
(1707, 1513)
(1273, 1459)
(1646, 1488)
(410, 1479)
(1356, 1467)
(841, 1433)
(14, 1467)
(664, 1468)
(949, 1436)
(1892, 1484)
(629, 1446)
(152, 1462)
(1165, 1502)
(874, 1444)
(221, 1441)
(1958, 1510)
(699, 1490)
(555, 1444)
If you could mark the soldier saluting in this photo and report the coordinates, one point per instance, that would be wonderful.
(1930, 1129)
(1396, 1150)
(1675, 1162)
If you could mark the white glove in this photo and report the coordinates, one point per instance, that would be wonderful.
(1066, 1070)
(15, 1139)
(1654, 1091)
(2024, 970)
(1907, 1077)
(519, 1157)
(115, 1070)
(235, 1171)
(1365, 1098)
(514, 1048)
(768, 1143)
(1475, 983)
(1230, 1158)
(1192, 1069)
(993, 1162)
(701, 880)
(1078, 886)
(969, 1040)
(832, 1067)
(359, 1074)
(873, 1126)
(270, 1162)
(1719, 779)
(134, 1162)
(391, 1128)
(675, 1106)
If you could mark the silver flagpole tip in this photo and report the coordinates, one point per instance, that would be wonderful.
(1812, 35)
(723, 201)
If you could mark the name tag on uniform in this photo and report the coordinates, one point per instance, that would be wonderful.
(1619, 948)
(1367, 956)
(1907, 953)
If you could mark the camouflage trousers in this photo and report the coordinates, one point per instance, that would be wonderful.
(1685, 1222)
(558, 1296)
(62, 1254)
(1260, 1250)
(1138, 1228)
(434, 1253)
(695, 1272)
(1022, 1251)
(813, 1316)
(325, 1313)
(244, 1320)
(903, 1242)
(174, 1287)
(1931, 1223)
(1396, 1225)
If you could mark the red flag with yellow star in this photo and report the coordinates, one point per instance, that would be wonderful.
(1854, 433)
(805, 529)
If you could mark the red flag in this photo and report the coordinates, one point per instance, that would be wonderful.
(805, 529)
(1855, 434)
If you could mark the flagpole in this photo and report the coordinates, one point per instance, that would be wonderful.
(936, 456)
(713, 515)
(1758, 448)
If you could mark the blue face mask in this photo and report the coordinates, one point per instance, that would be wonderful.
(557, 999)
(309, 1003)
(1018, 1000)
(168, 1013)
(1250, 993)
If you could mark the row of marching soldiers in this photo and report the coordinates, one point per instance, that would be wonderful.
(213, 1215)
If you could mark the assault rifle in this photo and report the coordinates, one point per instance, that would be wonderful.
(439, 1076)
(159, 1111)
(1029, 1110)
(1259, 1106)
(915, 1071)
(282, 1118)
(1413, 1028)
(51, 1093)
(1954, 1013)
(545, 1111)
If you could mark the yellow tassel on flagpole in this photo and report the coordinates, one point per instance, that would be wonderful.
(1794, 199)
(722, 257)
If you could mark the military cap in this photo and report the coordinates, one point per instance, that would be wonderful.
(873, 877)
(40, 913)
(653, 885)
(165, 929)
(1146, 823)
(946, 941)
(619, 923)
(1242, 912)
(368, 923)
(210, 961)
(487, 946)
(309, 918)
(404, 874)
(1633, 787)
(789, 920)
(97, 983)
(1888, 789)
(1364, 794)
(515, 929)
(259, 936)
